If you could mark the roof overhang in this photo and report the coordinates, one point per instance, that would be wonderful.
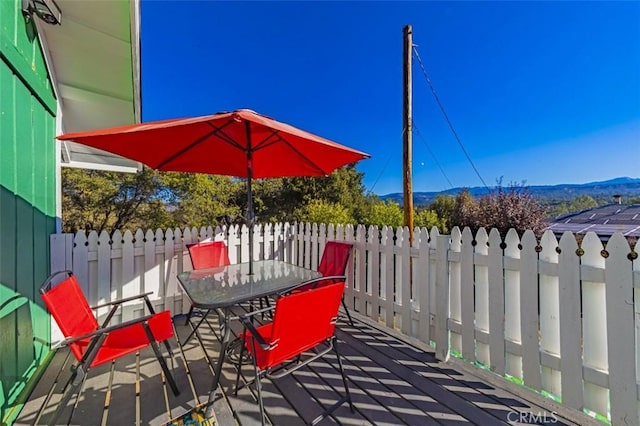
(93, 58)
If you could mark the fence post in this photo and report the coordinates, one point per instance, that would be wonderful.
(442, 298)
(61, 252)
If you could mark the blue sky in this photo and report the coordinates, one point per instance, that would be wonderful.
(540, 92)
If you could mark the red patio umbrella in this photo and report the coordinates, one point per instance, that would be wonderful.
(241, 143)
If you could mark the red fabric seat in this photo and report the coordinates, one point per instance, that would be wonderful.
(335, 258)
(208, 254)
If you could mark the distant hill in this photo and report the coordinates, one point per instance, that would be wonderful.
(625, 186)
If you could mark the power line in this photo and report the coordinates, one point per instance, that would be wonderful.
(383, 168)
(432, 154)
(446, 117)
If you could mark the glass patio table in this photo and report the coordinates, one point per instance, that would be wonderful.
(222, 288)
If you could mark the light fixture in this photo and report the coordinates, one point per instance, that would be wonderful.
(47, 10)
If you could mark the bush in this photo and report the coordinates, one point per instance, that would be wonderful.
(318, 211)
(502, 209)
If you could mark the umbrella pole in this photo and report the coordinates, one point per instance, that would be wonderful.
(250, 219)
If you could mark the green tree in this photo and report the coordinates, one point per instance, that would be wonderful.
(466, 210)
(195, 199)
(426, 218)
(632, 200)
(319, 211)
(281, 199)
(382, 213)
(582, 202)
(444, 206)
(99, 200)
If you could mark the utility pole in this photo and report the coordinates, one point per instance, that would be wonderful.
(408, 131)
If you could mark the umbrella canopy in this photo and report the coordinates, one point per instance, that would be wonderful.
(241, 143)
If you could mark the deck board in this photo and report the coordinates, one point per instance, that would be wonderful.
(391, 381)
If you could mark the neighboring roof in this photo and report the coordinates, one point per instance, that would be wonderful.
(604, 220)
(93, 58)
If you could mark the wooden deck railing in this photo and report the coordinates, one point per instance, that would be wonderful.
(555, 316)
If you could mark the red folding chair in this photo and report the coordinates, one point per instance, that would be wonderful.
(276, 347)
(93, 344)
(207, 254)
(334, 261)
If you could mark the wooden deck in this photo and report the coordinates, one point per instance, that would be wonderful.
(391, 383)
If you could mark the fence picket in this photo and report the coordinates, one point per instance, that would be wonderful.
(480, 260)
(512, 306)
(594, 320)
(620, 332)
(387, 276)
(421, 286)
(373, 273)
(455, 288)
(403, 279)
(442, 295)
(570, 325)
(467, 294)
(529, 308)
(496, 302)
(360, 279)
(169, 259)
(93, 278)
(549, 315)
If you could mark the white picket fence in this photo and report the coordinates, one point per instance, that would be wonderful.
(560, 318)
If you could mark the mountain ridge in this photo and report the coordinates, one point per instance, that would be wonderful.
(624, 186)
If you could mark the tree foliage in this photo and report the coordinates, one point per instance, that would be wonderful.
(320, 211)
(200, 200)
(581, 202)
(503, 209)
(98, 200)
(380, 213)
(426, 218)
(444, 207)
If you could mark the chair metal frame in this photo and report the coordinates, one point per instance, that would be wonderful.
(255, 343)
(89, 358)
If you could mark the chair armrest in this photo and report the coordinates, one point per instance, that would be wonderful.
(125, 299)
(257, 311)
(313, 283)
(104, 330)
(254, 333)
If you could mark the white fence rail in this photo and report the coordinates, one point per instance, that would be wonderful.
(560, 318)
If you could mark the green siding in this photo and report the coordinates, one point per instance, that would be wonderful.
(27, 206)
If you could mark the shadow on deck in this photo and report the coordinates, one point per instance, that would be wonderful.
(391, 383)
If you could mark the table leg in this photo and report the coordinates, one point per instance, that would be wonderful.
(226, 333)
(195, 328)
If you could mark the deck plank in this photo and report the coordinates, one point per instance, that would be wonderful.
(391, 381)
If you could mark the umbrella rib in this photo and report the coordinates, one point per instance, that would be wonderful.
(302, 156)
(226, 138)
(190, 146)
(266, 142)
